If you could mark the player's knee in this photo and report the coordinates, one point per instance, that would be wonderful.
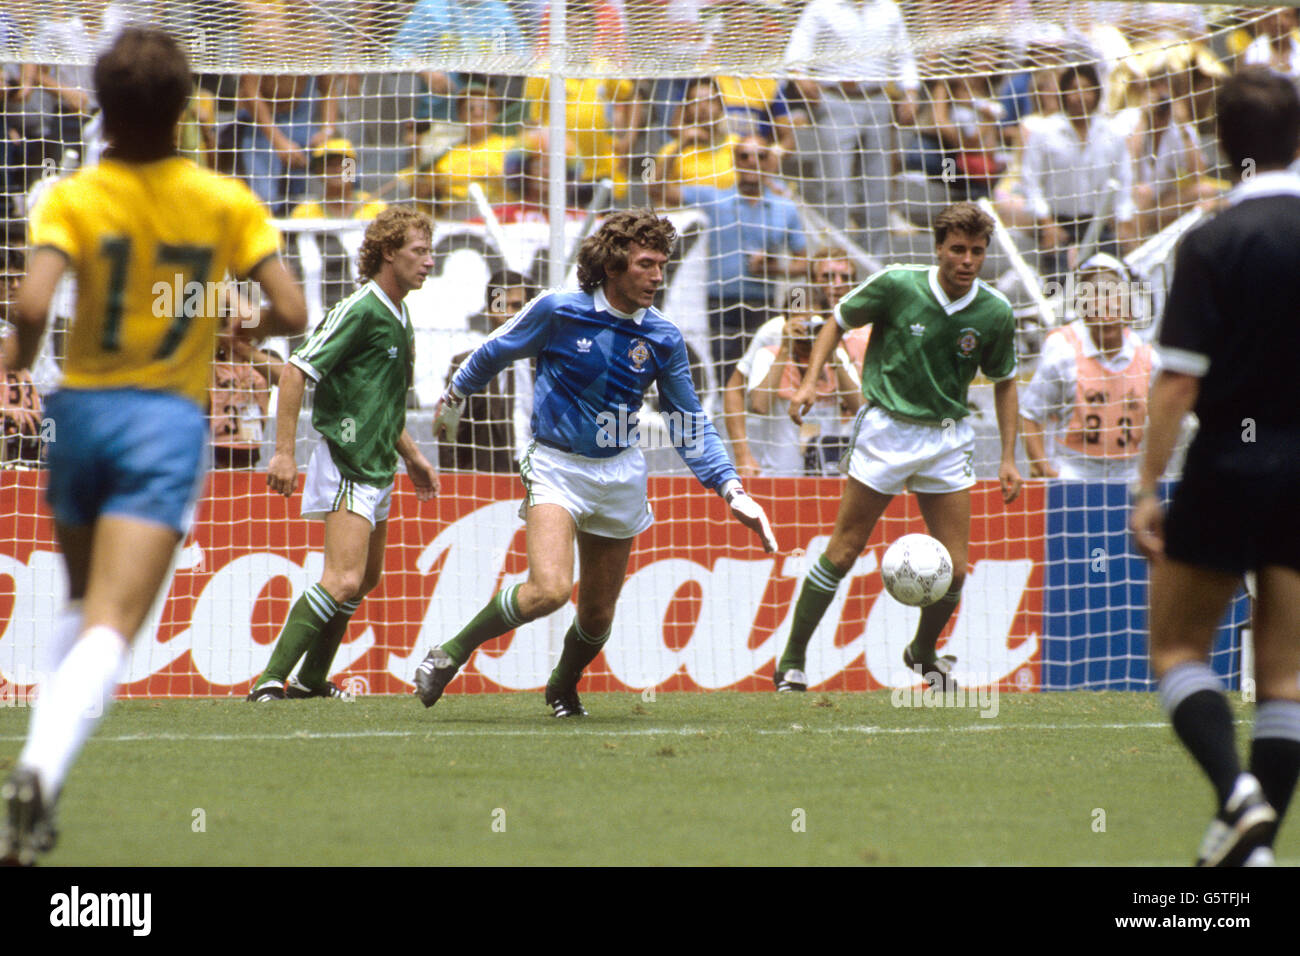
(343, 586)
(596, 622)
(548, 596)
(841, 551)
(368, 584)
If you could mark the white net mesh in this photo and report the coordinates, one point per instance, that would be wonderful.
(799, 146)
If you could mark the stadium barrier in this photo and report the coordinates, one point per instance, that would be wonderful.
(1054, 601)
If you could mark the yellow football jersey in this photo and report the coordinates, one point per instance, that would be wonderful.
(149, 243)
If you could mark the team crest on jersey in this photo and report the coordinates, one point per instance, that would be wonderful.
(639, 353)
(967, 342)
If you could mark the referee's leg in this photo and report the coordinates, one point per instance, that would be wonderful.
(1275, 747)
(1187, 603)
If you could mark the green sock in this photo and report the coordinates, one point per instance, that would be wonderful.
(309, 615)
(315, 670)
(933, 620)
(580, 649)
(500, 615)
(814, 598)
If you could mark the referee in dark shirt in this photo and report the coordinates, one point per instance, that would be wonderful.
(1229, 346)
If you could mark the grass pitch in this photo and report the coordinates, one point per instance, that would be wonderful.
(687, 778)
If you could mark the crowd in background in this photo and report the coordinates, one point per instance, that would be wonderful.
(1064, 129)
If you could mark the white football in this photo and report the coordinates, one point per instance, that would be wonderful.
(917, 570)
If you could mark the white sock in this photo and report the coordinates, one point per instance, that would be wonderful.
(71, 704)
(67, 628)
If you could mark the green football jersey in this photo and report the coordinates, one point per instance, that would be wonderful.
(362, 358)
(926, 348)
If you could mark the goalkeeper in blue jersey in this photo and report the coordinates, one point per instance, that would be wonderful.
(597, 352)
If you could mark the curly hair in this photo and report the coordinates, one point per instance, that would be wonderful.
(963, 217)
(386, 235)
(605, 251)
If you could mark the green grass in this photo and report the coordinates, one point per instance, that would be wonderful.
(684, 779)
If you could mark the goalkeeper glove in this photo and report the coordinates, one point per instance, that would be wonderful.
(446, 414)
(749, 513)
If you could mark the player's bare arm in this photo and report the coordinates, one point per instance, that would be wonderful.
(418, 468)
(1172, 396)
(282, 473)
(826, 342)
(848, 387)
(1006, 403)
(44, 270)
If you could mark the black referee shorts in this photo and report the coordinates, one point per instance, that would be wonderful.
(1237, 509)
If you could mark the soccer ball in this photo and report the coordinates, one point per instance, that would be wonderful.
(917, 570)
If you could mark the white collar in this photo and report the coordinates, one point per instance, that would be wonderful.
(602, 305)
(1275, 182)
(399, 312)
(950, 306)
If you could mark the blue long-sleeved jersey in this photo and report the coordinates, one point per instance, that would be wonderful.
(594, 365)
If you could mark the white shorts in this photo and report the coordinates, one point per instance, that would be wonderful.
(890, 455)
(604, 496)
(326, 491)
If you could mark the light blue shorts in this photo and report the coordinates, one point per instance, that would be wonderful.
(127, 452)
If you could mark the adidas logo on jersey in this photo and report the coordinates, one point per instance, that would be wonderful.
(918, 330)
(584, 345)
(392, 351)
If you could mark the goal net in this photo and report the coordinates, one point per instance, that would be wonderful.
(798, 147)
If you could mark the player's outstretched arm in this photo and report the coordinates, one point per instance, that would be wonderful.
(826, 342)
(1007, 405)
(44, 270)
(418, 468)
(282, 473)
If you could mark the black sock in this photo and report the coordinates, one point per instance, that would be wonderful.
(1194, 699)
(1275, 752)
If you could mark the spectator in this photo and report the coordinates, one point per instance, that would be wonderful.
(480, 157)
(1276, 45)
(1092, 380)
(56, 82)
(528, 185)
(461, 29)
(701, 155)
(756, 239)
(1169, 163)
(779, 444)
(285, 117)
(958, 138)
(21, 410)
(494, 430)
(335, 163)
(854, 118)
(1068, 162)
(242, 376)
(832, 274)
(601, 117)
